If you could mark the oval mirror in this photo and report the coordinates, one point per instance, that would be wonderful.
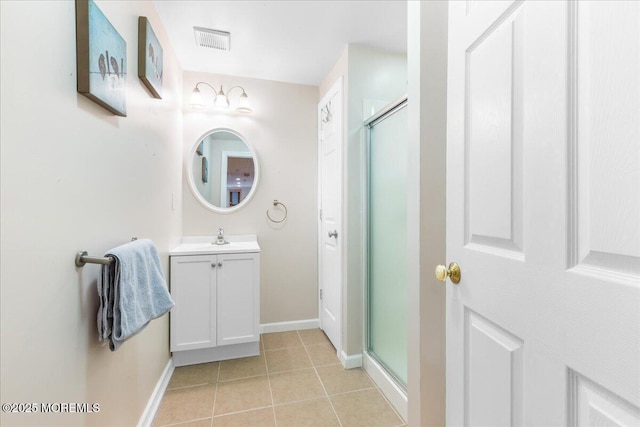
(222, 170)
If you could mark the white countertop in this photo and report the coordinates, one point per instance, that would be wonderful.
(205, 245)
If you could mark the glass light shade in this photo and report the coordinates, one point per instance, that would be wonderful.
(197, 101)
(243, 104)
(221, 100)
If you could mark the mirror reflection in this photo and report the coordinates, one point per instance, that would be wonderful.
(223, 169)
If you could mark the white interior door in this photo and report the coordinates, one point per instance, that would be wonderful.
(543, 213)
(330, 229)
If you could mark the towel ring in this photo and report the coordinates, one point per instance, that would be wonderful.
(276, 203)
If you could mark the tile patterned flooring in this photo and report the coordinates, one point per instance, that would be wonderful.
(296, 381)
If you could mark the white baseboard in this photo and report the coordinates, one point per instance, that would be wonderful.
(295, 325)
(350, 362)
(394, 394)
(149, 413)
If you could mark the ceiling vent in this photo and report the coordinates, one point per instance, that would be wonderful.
(213, 39)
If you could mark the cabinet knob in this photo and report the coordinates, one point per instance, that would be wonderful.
(213, 265)
(219, 264)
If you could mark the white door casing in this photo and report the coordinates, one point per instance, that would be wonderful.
(224, 170)
(543, 213)
(330, 215)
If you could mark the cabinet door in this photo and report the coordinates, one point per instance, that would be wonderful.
(193, 288)
(238, 298)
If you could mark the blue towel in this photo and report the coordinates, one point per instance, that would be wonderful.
(132, 292)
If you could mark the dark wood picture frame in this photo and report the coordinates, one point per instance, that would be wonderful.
(101, 59)
(205, 170)
(150, 67)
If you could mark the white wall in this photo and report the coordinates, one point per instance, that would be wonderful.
(369, 74)
(283, 131)
(75, 177)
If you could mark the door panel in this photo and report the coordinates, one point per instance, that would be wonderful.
(237, 276)
(604, 151)
(543, 213)
(193, 287)
(493, 147)
(494, 362)
(592, 405)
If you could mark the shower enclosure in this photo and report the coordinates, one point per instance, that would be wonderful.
(385, 357)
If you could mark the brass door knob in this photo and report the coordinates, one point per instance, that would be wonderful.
(453, 273)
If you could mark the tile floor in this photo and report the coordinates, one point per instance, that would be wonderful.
(296, 381)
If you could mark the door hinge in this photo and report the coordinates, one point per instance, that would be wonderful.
(320, 293)
(320, 214)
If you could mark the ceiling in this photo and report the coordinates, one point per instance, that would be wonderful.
(287, 41)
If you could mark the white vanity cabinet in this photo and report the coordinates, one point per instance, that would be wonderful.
(216, 291)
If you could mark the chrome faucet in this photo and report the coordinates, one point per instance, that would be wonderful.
(220, 240)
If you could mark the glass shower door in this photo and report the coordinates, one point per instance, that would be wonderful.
(386, 242)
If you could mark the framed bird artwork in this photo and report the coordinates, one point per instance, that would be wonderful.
(101, 59)
(149, 57)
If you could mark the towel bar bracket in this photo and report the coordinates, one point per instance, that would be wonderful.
(83, 258)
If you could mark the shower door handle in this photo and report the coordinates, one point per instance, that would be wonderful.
(333, 233)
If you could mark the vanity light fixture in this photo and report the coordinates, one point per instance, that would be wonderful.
(221, 100)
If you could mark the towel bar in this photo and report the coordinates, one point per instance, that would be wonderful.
(83, 258)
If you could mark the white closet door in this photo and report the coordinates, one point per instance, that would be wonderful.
(330, 229)
(543, 213)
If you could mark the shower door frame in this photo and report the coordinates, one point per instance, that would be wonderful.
(389, 384)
